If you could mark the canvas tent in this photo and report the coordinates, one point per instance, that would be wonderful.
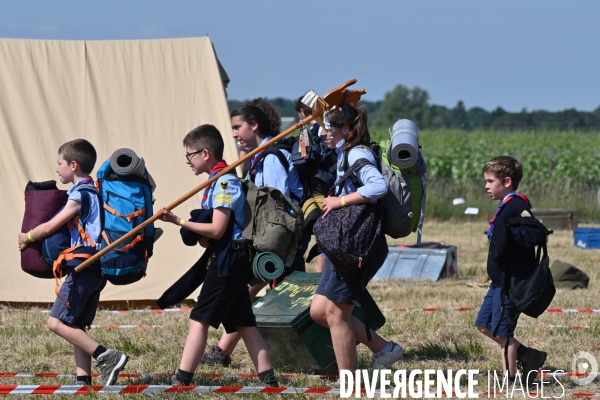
(141, 94)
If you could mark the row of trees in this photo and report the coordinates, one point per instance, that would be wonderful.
(413, 103)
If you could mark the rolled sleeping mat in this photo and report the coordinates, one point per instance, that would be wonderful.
(404, 144)
(267, 266)
(125, 162)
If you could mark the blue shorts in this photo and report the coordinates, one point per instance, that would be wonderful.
(82, 292)
(490, 312)
(333, 285)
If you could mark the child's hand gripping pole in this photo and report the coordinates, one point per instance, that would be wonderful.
(332, 100)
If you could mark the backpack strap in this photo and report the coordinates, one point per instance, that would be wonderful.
(350, 174)
(275, 149)
(80, 220)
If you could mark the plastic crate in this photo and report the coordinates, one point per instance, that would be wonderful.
(587, 238)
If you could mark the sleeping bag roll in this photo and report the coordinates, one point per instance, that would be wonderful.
(125, 162)
(404, 144)
(42, 201)
(267, 266)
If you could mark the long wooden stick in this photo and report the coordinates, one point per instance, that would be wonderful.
(201, 186)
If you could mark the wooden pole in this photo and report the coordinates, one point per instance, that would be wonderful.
(335, 100)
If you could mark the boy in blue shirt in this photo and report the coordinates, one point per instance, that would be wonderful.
(510, 249)
(224, 298)
(78, 298)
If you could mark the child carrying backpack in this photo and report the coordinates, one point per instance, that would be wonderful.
(77, 300)
(348, 269)
(511, 253)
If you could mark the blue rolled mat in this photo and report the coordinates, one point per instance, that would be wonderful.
(267, 266)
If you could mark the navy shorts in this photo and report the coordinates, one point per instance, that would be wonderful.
(490, 312)
(81, 290)
(333, 285)
(225, 300)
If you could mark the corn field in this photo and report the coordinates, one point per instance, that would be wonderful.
(561, 169)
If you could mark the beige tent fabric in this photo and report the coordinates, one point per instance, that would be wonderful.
(141, 94)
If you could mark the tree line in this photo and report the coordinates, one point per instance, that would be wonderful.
(413, 103)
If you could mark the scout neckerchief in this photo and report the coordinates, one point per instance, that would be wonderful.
(506, 199)
(257, 157)
(220, 166)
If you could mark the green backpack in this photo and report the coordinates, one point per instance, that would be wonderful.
(405, 200)
(272, 222)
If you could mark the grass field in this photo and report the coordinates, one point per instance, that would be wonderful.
(432, 340)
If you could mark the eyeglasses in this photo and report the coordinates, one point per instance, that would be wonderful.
(189, 156)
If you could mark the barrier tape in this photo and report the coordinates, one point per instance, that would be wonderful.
(44, 326)
(243, 376)
(148, 310)
(545, 326)
(436, 309)
(154, 389)
(399, 309)
(152, 375)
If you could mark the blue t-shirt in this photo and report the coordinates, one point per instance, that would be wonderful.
(93, 226)
(227, 192)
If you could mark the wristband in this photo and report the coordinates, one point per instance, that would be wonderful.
(29, 237)
(343, 201)
(181, 222)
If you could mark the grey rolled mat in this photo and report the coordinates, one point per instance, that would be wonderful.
(267, 266)
(125, 162)
(404, 144)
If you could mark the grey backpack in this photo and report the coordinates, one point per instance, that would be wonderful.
(405, 200)
(272, 221)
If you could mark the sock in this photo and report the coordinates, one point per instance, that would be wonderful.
(268, 378)
(386, 349)
(521, 349)
(99, 350)
(220, 350)
(184, 377)
(511, 379)
(86, 379)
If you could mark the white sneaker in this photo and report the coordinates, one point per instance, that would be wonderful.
(386, 360)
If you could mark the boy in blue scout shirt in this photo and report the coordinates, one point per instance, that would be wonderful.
(75, 307)
(224, 298)
(252, 127)
(510, 249)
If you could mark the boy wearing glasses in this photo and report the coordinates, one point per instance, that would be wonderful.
(224, 297)
(75, 307)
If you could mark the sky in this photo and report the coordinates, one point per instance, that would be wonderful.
(534, 54)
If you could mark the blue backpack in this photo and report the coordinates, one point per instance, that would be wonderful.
(126, 202)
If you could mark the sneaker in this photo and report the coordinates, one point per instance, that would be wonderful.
(175, 382)
(531, 360)
(216, 356)
(386, 360)
(110, 363)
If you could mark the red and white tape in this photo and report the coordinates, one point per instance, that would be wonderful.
(544, 326)
(44, 326)
(151, 375)
(243, 376)
(155, 389)
(145, 310)
(435, 309)
(399, 309)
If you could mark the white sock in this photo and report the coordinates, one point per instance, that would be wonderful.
(386, 349)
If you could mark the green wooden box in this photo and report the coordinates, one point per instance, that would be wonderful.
(295, 341)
